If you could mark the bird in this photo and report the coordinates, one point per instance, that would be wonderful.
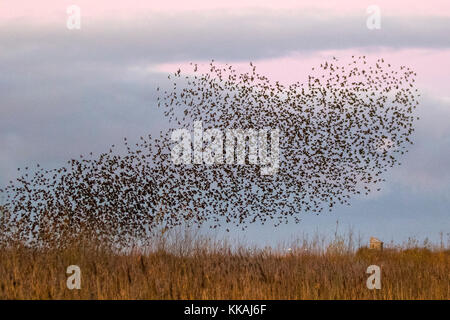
(333, 145)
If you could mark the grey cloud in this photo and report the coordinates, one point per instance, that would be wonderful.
(425, 166)
(156, 38)
(49, 118)
(69, 92)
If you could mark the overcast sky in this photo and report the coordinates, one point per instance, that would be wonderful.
(67, 92)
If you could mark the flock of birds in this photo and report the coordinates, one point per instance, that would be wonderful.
(339, 132)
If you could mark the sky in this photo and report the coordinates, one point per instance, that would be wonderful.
(68, 92)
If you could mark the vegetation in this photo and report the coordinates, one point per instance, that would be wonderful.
(188, 266)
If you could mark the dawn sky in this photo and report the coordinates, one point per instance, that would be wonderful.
(68, 92)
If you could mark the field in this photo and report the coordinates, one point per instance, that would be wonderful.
(190, 267)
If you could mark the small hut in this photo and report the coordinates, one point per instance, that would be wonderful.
(375, 244)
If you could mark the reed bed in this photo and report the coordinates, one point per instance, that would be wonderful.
(193, 267)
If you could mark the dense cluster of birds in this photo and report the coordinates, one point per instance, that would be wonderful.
(339, 132)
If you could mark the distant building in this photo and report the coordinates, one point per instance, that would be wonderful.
(376, 244)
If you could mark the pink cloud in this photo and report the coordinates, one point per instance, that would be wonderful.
(50, 10)
(431, 65)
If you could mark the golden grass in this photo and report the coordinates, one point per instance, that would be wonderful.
(210, 270)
